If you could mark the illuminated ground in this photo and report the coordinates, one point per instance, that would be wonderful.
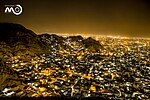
(120, 70)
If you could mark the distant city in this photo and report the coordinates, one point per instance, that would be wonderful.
(97, 36)
(50, 65)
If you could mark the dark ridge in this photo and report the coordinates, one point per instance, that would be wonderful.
(92, 44)
(11, 33)
(18, 38)
(53, 38)
(12, 29)
(76, 38)
(56, 37)
(90, 41)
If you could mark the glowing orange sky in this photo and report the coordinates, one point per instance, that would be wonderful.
(112, 17)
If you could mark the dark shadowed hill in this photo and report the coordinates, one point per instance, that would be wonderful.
(92, 44)
(12, 33)
(89, 43)
(51, 38)
(18, 38)
(76, 38)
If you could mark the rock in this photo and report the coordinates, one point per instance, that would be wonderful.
(92, 44)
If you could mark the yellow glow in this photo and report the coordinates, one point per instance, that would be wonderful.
(42, 89)
(93, 88)
(42, 60)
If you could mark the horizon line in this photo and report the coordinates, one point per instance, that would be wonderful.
(95, 35)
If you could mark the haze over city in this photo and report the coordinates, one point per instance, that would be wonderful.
(100, 17)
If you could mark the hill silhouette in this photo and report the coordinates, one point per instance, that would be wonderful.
(18, 38)
(12, 33)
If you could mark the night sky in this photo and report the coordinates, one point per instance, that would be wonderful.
(104, 17)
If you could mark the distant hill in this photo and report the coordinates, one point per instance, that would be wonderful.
(92, 44)
(89, 43)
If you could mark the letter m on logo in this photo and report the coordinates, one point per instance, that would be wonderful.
(8, 9)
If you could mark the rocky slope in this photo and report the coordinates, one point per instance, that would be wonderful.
(16, 39)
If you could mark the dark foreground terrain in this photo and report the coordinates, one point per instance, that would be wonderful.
(73, 67)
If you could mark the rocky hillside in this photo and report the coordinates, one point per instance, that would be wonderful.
(15, 40)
